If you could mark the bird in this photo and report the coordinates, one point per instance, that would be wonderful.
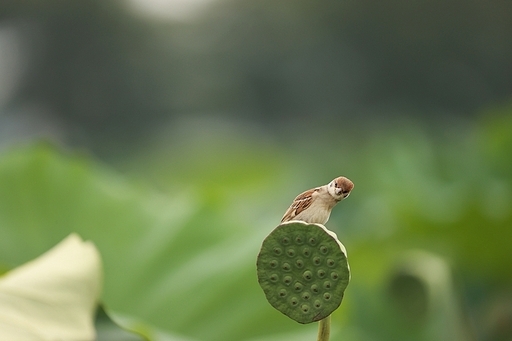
(314, 206)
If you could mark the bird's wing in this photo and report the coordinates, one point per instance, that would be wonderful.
(299, 204)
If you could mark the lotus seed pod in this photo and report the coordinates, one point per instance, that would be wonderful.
(303, 270)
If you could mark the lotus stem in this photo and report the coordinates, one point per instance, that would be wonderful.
(324, 329)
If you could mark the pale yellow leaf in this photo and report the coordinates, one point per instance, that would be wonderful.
(54, 296)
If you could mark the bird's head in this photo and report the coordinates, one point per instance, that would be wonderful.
(340, 188)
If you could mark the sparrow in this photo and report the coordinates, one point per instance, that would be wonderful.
(314, 206)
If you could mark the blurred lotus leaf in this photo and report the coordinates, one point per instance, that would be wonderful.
(174, 267)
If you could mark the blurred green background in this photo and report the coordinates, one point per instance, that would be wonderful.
(174, 134)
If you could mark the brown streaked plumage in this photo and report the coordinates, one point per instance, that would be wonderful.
(315, 205)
